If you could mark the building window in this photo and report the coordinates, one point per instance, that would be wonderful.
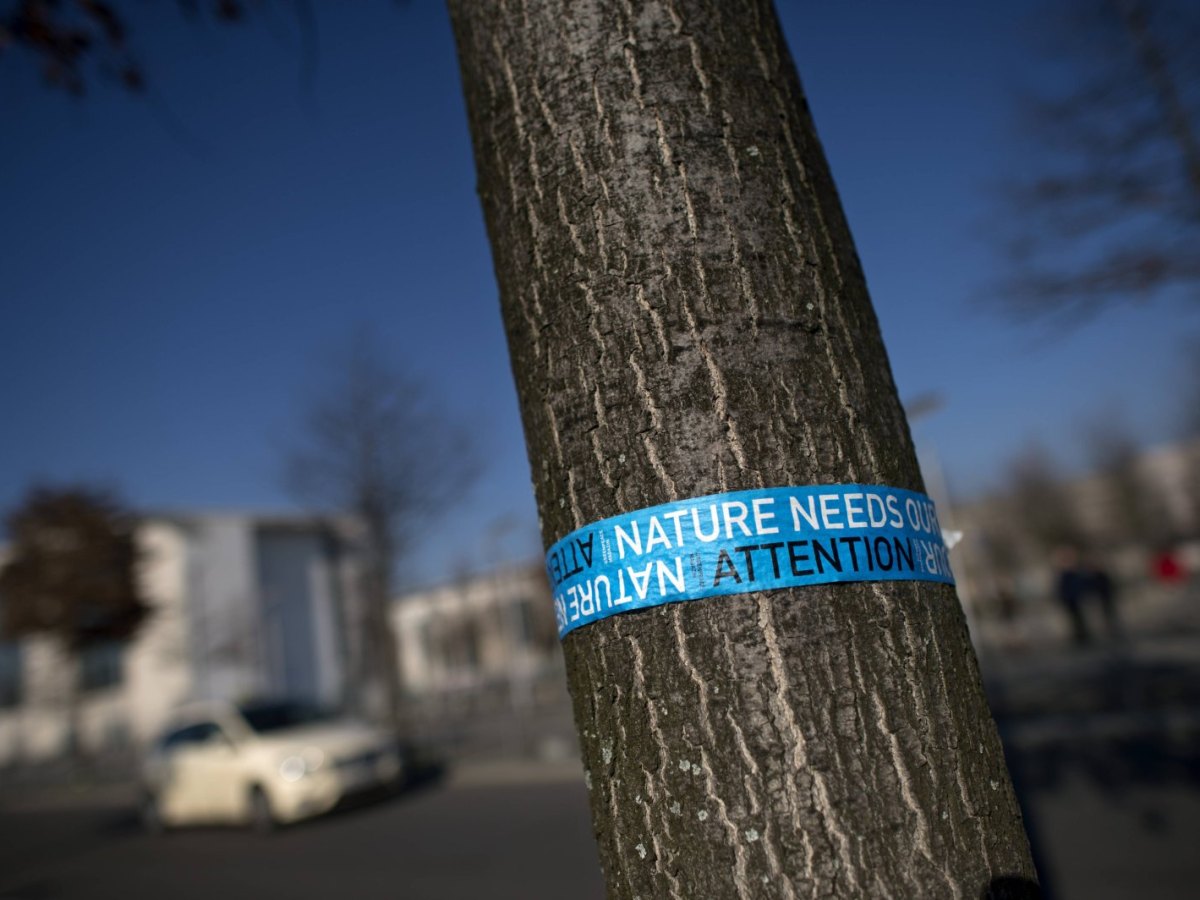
(10, 674)
(100, 665)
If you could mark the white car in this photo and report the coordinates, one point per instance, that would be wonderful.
(261, 764)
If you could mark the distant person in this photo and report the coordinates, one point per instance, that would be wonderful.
(1099, 586)
(1071, 590)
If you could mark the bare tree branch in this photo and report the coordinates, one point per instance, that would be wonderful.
(1112, 212)
(77, 41)
(375, 442)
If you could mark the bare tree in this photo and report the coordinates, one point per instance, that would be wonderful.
(1134, 512)
(1188, 392)
(1039, 504)
(1109, 211)
(375, 441)
(72, 573)
(78, 42)
(1189, 388)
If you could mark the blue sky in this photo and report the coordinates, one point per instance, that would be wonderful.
(173, 267)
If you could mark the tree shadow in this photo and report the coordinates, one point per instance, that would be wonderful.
(1111, 725)
(1115, 765)
(1012, 887)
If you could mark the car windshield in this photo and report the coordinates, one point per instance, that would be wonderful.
(276, 716)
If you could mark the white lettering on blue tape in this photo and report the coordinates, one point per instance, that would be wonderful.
(741, 542)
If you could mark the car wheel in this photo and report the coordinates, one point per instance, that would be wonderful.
(262, 819)
(151, 815)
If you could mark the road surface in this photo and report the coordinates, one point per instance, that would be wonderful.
(495, 841)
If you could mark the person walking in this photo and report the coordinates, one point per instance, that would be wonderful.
(1071, 590)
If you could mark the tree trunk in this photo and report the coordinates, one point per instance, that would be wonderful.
(77, 756)
(381, 657)
(686, 315)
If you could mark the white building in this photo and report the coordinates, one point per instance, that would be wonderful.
(475, 632)
(482, 668)
(241, 606)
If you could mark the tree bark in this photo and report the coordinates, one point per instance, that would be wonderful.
(686, 315)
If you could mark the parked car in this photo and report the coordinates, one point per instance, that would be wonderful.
(261, 764)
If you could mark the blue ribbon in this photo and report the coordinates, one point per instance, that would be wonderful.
(741, 542)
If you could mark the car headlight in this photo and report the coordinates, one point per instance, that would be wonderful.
(295, 767)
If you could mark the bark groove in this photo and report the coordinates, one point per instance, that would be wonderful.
(686, 314)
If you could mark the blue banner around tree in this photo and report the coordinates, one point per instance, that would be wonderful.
(741, 542)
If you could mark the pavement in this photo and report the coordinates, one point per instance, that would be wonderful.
(1138, 843)
(1103, 743)
(466, 837)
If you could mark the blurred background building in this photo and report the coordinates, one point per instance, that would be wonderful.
(480, 661)
(250, 606)
(241, 606)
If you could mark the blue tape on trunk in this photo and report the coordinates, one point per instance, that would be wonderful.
(741, 542)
